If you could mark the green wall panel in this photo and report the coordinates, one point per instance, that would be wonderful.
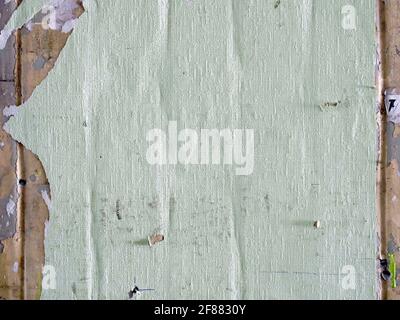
(288, 70)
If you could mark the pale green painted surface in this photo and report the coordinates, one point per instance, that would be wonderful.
(131, 66)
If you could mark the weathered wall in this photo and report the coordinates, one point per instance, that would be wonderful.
(286, 69)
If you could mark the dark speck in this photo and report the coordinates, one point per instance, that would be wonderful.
(118, 210)
(267, 202)
(397, 51)
(74, 288)
(386, 275)
(22, 182)
(134, 291)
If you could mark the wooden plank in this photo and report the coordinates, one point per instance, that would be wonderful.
(388, 183)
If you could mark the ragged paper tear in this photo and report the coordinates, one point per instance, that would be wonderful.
(392, 103)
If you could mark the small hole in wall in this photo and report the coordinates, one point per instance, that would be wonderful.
(22, 182)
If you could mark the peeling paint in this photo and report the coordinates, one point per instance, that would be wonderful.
(15, 267)
(11, 207)
(8, 218)
(4, 36)
(58, 15)
(392, 103)
(27, 54)
(10, 111)
(46, 198)
(155, 239)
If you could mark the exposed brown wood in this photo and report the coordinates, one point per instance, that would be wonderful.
(20, 165)
(381, 165)
(37, 44)
(22, 175)
(23, 258)
(388, 180)
(35, 214)
(9, 280)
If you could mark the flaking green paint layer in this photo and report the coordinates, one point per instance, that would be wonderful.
(290, 72)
